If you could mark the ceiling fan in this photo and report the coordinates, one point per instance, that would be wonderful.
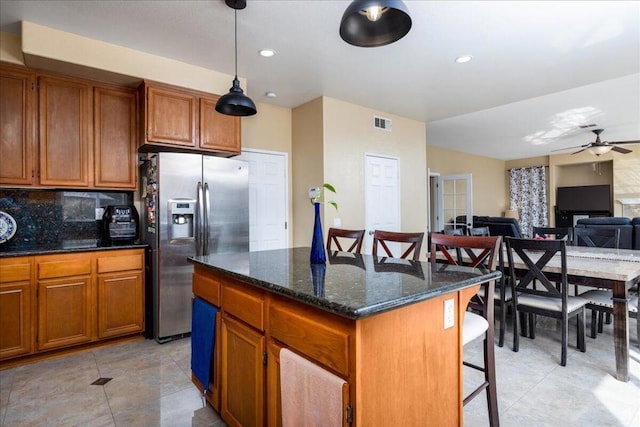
(599, 147)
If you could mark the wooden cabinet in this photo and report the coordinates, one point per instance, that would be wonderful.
(17, 125)
(115, 133)
(64, 131)
(243, 374)
(16, 307)
(65, 302)
(120, 293)
(49, 302)
(218, 132)
(185, 120)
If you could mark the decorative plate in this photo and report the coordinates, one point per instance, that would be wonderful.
(8, 227)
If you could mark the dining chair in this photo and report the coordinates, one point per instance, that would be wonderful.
(481, 252)
(335, 234)
(478, 231)
(597, 238)
(552, 300)
(564, 233)
(414, 239)
(600, 301)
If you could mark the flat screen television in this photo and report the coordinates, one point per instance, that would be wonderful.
(587, 198)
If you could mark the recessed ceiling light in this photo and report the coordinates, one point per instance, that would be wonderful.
(464, 58)
(267, 53)
(271, 95)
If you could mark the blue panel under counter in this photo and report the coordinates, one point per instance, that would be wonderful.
(350, 285)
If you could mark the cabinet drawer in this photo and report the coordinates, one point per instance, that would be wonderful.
(120, 263)
(64, 267)
(14, 270)
(311, 335)
(245, 304)
(206, 288)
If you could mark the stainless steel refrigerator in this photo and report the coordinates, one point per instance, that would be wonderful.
(193, 205)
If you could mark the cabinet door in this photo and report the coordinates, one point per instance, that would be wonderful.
(274, 404)
(171, 117)
(217, 131)
(120, 304)
(242, 374)
(17, 117)
(64, 312)
(114, 128)
(64, 108)
(16, 307)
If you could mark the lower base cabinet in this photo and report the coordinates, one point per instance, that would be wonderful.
(242, 374)
(49, 302)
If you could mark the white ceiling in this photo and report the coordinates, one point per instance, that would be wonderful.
(540, 69)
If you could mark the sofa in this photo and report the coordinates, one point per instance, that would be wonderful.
(499, 226)
(628, 231)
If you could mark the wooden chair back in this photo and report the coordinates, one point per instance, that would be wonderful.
(335, 233)
(414, 240)
(536, 254)
(596, 237)
(564, 233)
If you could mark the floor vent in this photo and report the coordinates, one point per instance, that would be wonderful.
(382, 123)
(101, 381)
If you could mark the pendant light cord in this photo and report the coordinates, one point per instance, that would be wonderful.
(235, 18)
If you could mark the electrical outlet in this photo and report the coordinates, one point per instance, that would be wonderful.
(99, 213)
(449, 313)
(337, 222)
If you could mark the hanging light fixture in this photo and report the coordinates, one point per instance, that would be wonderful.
(236, 103)
(600, 149)
(372, 23)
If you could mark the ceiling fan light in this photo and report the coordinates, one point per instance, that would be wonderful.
(600, 149)
(373, 23)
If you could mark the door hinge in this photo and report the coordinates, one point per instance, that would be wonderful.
(349, 413)
(264, 358)
(285, 225)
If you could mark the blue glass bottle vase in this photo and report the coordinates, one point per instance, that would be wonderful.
(318, 255)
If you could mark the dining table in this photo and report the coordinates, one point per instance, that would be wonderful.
(604, 268)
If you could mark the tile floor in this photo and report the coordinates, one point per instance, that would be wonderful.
(151, 386)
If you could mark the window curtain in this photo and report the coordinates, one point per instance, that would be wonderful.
(528, 195)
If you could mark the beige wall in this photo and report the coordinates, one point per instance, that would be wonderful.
(308, 164)
(348, 135)
(488, 177)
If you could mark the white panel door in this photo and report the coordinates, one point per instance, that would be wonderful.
(267, 200)
(382, 197)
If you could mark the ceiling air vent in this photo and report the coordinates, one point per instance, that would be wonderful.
(382, 123)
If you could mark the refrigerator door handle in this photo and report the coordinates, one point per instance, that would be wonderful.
(200, 222)
(207, 210)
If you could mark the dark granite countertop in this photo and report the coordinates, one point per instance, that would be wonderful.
(350, 285)
(64, 247)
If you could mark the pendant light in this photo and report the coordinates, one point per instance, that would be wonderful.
(372, 23)
(236, 103)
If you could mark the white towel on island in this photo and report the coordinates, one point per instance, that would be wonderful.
(310, 395)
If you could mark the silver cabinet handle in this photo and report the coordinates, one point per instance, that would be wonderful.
(200, 222)
(207, 210)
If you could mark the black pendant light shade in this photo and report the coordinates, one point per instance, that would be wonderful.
(372, 23)
(236, 103)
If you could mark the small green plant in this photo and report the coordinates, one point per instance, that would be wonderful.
(316, 193)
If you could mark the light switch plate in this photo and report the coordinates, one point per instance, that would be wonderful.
(449, 313)
(337, 222)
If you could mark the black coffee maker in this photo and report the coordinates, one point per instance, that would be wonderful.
(120, 224)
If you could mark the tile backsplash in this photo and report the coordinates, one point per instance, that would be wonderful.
(54, 218)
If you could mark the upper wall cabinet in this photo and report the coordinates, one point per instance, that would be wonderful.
(81, 134)
(17, 127)
(64, 132)
(185, 120)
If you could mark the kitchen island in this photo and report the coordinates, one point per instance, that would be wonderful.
(377, 323)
